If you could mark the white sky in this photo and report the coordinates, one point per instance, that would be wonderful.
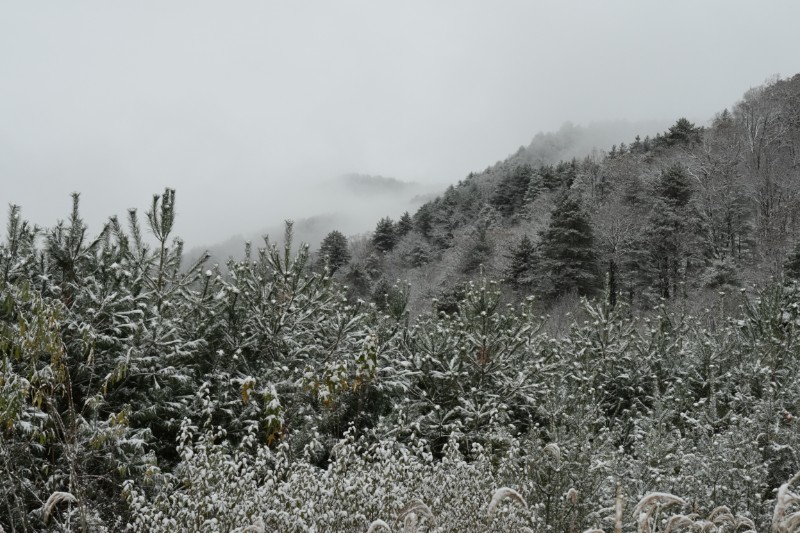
(241, 106)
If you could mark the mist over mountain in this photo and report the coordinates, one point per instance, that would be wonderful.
(349, 203)
(352, 202)
(366, 185)
(572, 140)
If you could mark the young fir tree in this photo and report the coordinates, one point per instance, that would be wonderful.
(384, 237)
(334, 250)
(568, 257)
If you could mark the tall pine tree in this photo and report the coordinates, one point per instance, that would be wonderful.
(404, 225)
(334, 250)
(668, 233)
(522, 266)
(384, 237)
(511, 191)
(568, 257)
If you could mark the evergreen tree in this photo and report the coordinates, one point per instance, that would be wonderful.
(510, 193)
(479, 250)
(443, 221)
(423, 220)
(404, 225)
(567, 171)
(549, 178)
(636, 145)
(667, 239)
(384, 237)
(334, 249)
(663, 250)
(683, 132)
(568, 258)
(535, 188)
(633, 192)
(674, 186)
(791, 268)
(522, 265)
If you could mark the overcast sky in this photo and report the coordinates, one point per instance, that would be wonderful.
(241, 105)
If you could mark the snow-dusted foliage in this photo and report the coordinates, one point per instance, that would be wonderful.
(220, 488)
(139, 393)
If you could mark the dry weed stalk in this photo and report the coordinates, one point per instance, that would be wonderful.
(720, 519)
(410, 523)
(743, 521)
(679, 521)
(54, 499)
(378, 524)
(257, 527)
(792, 522)
(417, 508)
(553, 451)
(572, 496)
(781, 522)
(650, 505)
(501, 494)
(722, 516)
(646, 512)
(408, 516)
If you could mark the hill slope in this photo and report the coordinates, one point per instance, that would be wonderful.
(692, 210)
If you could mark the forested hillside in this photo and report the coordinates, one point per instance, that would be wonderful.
(305, 390)
(678, 217)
